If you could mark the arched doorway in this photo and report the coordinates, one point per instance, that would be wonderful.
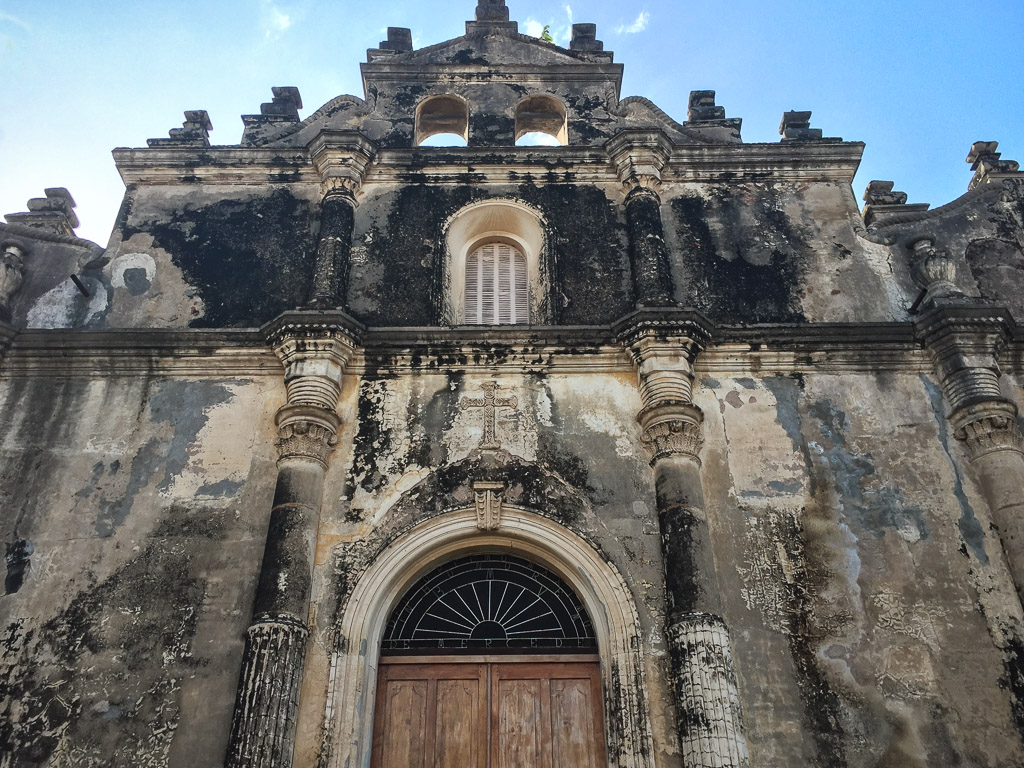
(356, 661)
(489, 661)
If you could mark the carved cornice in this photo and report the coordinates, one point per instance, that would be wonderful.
(966, 342)
(988, 427)
(306, 432)
(664, 325)
(672, 429)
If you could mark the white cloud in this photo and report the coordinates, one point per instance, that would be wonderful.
(275, 21)
(637, 26)
(534, 28)
(14, 20)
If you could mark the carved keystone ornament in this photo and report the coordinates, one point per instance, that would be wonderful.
(489, 498)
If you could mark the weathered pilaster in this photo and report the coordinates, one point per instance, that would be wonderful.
(330, 280)
(314, 354)
(640, 158)
(965, 341)
(342, 160)
(665, 346)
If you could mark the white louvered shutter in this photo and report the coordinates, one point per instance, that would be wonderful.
(497, 291)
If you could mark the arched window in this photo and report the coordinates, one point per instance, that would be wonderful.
(447, 115)
(541, 120)
(495, 269)
(497, 286)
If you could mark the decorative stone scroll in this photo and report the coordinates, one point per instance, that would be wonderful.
(12, 274)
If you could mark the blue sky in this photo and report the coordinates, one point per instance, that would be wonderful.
(917, 81)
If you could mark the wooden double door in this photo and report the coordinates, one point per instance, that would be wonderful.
(489, 712)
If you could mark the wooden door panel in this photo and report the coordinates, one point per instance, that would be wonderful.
(460, 737)
(520, 739)
(574, 743)
(402, 737)
(488, 714)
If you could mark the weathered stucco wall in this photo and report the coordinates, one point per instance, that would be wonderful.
(875, 623)
(134, 513)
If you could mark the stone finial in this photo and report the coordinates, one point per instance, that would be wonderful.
(284, 108)
(194, 131)
(702, 107)
(286, 103)
(796, 126)
(491, 10)
(399, 40)
(584, 38)
(881, 193)
(881, 203)
(53, 213)
(986, 163)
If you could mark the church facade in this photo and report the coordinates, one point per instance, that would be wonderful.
(650, 448)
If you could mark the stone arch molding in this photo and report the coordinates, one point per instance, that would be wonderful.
(495, 220)
(352, 688)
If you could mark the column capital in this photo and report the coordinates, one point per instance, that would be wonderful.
(306, 432)
(987, 427)
(342, 158)
(966, 342)
(314, 347)
(672, 429)
(639, 157)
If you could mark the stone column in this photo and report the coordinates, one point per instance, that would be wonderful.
(330, 278)
(965, 341)
(652, 275)
(707, 698)
(263, 730)
(639, 158)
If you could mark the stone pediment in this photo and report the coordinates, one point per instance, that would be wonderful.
(491, 45)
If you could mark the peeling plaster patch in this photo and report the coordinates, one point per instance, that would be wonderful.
(970, 529)
(65, 307)
(876, 508)
(182, 408)
(132, 271)
(919, 621)
(772, 562)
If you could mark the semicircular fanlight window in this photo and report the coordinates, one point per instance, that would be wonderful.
(484, 602)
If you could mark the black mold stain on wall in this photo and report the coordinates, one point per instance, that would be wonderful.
(18, 559)
(249, 260)
(405, 292)
(590, 270)
(117, 651)
(751, 272)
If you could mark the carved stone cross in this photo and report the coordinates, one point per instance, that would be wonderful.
(490, 403)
